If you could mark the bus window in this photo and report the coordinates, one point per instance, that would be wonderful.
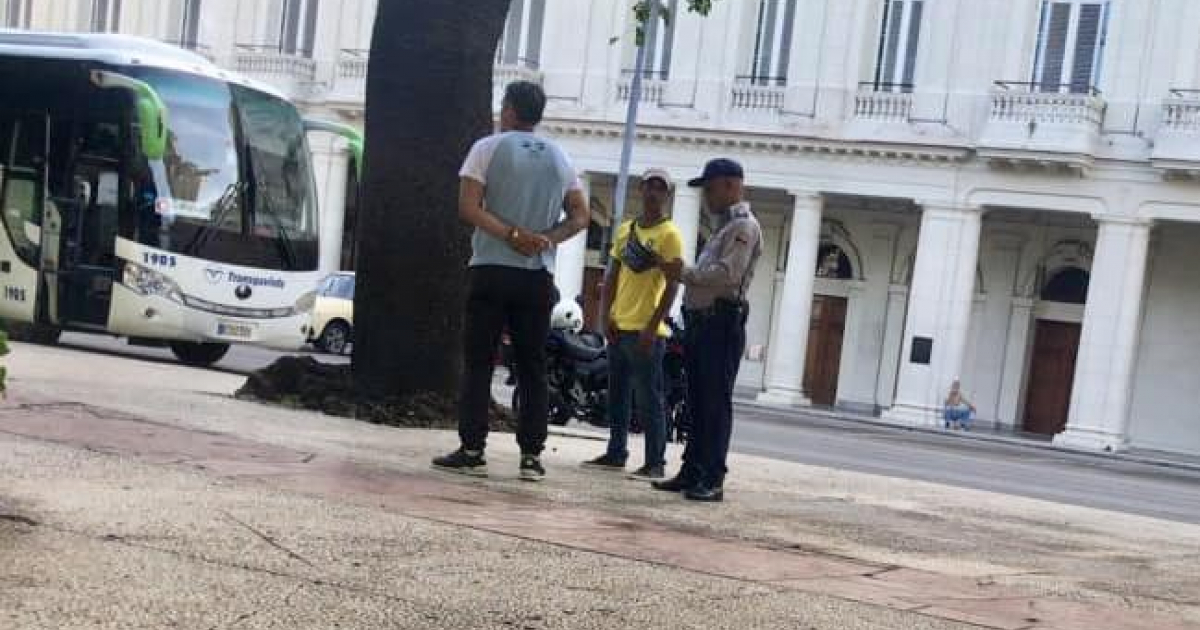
(195, 185)
(22, 144)
(283, 203)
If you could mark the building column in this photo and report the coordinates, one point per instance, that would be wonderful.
(1099, 417)
(893, 340)
(571, 255)
(685, 214)
(330, 164)
(788, 345)
(1016, 354)
(941, 297)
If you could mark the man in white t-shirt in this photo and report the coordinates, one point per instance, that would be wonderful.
(514, 186)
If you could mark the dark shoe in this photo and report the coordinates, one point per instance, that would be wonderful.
(648, 473)
(678, 483)
(531, 468)
(605, 462)
(705, 493)
(463, 462)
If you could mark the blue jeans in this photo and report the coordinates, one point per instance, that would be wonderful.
(636, 375)
(959, 415)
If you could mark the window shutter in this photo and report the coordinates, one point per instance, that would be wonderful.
(512, 33)
(890, 45)
(1054, 47)
(533, 43)
(916, 9)
(191, 23)
(664, 61)
(785, 42)
(1088, 43)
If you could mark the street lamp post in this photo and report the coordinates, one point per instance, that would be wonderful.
(635, 97)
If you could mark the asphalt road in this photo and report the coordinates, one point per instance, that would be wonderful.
(1098, 482)
(240, 360)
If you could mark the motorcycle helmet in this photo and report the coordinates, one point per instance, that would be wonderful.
(567, 315)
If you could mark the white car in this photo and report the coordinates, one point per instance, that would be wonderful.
(332, 326)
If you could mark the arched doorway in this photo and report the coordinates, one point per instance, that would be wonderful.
(827, 328)
(1055, 349)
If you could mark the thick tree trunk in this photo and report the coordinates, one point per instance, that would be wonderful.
(429, 92)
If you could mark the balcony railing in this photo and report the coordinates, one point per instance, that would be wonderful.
(1181, 111)
(507, 73)
(654, 84)
(1177, 144)
(268, 61)
(755, 93)
(883, 102)
(352, 64)
(1043, 124)
(1040, 103)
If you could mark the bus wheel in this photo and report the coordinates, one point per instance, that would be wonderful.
(199, 354)
(33, 333)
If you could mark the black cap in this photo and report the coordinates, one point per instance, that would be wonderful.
(720, 167)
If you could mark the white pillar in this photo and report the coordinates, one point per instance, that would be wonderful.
(571, 256)
(330, 164)
(685, 214)
(787, 347)
(1016, 353)
(1099, 417)
(939, 309)
(893, 340)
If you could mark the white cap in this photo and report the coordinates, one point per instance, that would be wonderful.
(661, 174)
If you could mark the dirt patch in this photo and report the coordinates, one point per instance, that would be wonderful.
(305, 383)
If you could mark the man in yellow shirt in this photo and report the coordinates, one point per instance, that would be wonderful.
(638, 297)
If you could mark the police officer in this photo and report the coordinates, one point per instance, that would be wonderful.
(715, 312)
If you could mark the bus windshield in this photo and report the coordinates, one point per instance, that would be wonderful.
(234, 184)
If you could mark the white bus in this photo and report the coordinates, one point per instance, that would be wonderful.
(148, 194)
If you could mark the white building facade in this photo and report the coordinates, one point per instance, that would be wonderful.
(1004, 192)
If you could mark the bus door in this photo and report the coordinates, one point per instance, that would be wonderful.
(23, 208)
(90, 202)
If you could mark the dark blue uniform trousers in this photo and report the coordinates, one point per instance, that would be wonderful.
(713, 345)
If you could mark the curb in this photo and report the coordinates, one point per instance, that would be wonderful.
(802, 413)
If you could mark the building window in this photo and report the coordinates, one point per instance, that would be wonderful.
(101, 16)
(1068, 285)
(658, 48)
(298, 27)
(899, 38)
(16, 13)
(521, 42)
(1070, 46)
(183, 24)
(772, 45)
(833, 263)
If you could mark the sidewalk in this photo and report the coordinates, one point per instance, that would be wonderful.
(165, 503)
(1143, 456)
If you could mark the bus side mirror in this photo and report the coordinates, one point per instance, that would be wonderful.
(148, 106)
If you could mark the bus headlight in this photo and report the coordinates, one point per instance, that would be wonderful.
(306, 302)
(148, 282)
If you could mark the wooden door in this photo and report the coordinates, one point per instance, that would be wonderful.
(826, 329)
(593, 285)
(1051, 376)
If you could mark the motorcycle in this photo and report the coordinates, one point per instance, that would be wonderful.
(577, 379)
(576, 376)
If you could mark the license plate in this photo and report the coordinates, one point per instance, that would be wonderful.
(234, 329)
